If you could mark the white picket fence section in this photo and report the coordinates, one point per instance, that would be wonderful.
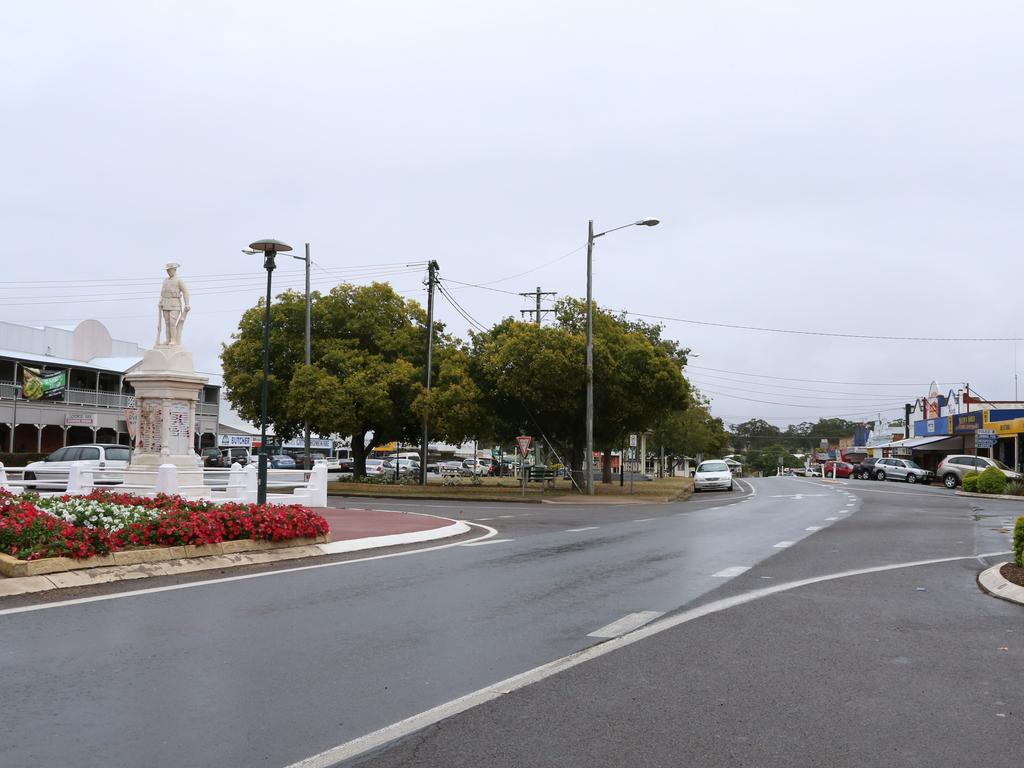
(237, 484)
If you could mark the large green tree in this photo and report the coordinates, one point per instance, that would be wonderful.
(534, 377)
(366, 376)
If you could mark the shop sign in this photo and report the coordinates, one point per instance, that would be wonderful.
(996, 415)
(964, 423)
(1007, 428)
(234, 441)
(928, 427)
(320, 443)
(80, 420)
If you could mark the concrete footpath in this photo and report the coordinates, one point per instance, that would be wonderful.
(351, 530)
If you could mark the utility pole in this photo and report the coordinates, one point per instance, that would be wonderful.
(432, 270)
(536, 313)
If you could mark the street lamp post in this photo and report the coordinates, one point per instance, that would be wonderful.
(269, 248)
(306, 464)
(588, 459)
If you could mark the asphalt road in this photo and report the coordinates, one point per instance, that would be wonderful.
(274, 669)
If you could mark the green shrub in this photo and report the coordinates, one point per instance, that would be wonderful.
(1015, 488)
(991, 480)
(971, 482)
(1018, 542)
(21, 459)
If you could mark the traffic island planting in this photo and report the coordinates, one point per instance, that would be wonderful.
(41, 535)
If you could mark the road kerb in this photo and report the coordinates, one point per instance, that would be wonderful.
(103, 575)
(993, 582)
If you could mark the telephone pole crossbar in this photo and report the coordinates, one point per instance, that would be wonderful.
(538, 312)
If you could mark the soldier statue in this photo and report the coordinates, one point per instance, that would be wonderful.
(174, 307)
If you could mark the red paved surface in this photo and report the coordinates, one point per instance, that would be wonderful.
(362, 523)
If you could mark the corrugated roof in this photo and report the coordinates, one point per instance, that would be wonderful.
(112, 364)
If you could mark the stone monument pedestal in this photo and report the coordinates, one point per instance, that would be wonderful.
(167, 389)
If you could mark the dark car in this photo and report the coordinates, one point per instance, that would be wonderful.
(212, 457)
(866, 470)
(282, 461)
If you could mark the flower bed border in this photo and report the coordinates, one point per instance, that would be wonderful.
(12, 567)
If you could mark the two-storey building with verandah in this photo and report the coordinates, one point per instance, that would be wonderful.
(65, 386)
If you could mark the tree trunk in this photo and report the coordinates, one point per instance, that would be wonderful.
(359, 454)
(606, 466)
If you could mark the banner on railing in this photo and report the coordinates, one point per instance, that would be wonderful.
(37, 384)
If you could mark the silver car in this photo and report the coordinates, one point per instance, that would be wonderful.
(902, 469)
(953, 468)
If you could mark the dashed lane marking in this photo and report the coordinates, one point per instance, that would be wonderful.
(645, 519)
(733, 570)
(813, 528)
(627, 623)
(830, 519)
(578, 530)
(784, 544)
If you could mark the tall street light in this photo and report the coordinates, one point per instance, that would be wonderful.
(306, 462)
(588, 459)
(270, 248)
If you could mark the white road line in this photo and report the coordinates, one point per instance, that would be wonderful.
(813, 528)
(830, 519)
(485, 518)
(244, 577)
(732, 570)
(488, 541)
(503, 517)
(645, 519)
(378, 738)
(578, 530)
(627, 623)
(844, 511)
(784, 544)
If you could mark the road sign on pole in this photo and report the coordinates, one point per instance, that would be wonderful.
(524, 442)
(632, 441)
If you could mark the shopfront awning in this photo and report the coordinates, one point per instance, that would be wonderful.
(940, 443)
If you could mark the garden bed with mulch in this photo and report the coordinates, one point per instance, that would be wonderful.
(1013, 574)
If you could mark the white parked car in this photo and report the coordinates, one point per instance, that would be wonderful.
(52, 472)
(712, 476)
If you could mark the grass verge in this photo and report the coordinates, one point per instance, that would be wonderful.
(504, 489)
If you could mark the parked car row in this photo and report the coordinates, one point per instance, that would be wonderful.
(951, 470)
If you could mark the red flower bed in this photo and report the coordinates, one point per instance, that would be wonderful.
(28, 533)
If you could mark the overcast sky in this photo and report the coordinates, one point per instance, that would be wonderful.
(848, 167)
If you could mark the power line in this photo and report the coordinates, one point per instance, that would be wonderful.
(815, 381)
(794, 405)
(788, 387)
(829, 334)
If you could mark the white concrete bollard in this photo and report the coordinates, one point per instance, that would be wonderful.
(167, 480)
(74, 487)
(86, 482)
(236, 482)
(251, 483)
(318, 486)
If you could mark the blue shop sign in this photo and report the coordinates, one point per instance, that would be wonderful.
(930, 427)
(968, 422)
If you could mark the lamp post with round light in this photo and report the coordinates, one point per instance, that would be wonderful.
(269, 248)
(588, 459)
